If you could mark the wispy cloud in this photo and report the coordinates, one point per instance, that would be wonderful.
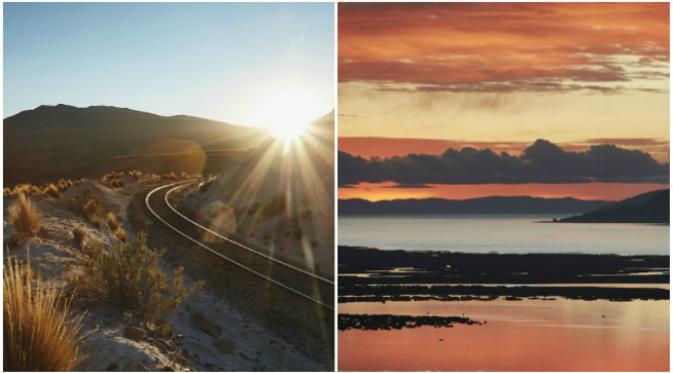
(501, 48)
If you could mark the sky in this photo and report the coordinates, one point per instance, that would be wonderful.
(231, 62)
(419, 78)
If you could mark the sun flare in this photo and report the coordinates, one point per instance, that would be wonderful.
(287, 130)
(286, 115)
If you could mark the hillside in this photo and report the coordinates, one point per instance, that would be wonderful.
(51, 142)
(279, 198)
(487, 205)
(651, 207)
(206, 331)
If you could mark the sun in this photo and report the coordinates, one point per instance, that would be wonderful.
(286, 115)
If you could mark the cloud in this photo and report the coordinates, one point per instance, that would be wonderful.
(385, 147)
(541, 162)
(500, 48)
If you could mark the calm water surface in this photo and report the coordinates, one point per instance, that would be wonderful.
(519, 336)
(504, 234)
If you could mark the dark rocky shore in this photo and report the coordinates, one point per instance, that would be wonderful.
(371, 275)
(389, 322)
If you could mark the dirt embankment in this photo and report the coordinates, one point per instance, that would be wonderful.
(206, 332)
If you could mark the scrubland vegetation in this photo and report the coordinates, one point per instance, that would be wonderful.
(112, 221)
(47, 190)
(128, 276)
(41, 330)
(78, 236)
(25, 218)
(88, 205)
(39, 334)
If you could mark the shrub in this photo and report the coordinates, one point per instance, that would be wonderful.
(128, 277)
(52, 191)
(170, 176)
(64, 185)
(78, 235)
(38, 333)
(121, 235)
(89, 206)
(117, 184)
(274, 207)
(136, 174)
(112, 221)
(24, 217)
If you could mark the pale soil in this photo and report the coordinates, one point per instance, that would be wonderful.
(207, 333)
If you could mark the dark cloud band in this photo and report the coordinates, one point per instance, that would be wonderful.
(542, 162)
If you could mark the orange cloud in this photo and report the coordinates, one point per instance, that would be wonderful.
(503, 47)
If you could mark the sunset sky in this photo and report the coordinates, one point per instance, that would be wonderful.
(425, 77)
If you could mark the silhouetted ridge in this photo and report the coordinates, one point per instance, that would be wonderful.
(51, 142)
(650, 207)
(486, 205)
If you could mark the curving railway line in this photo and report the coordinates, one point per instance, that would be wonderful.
(286, 277)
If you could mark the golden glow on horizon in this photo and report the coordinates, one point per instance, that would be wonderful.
(586, 191)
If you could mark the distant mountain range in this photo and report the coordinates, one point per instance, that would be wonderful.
(486, 205)
(66, 141)
(650, 207)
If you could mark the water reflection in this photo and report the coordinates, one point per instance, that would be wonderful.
(525, 335)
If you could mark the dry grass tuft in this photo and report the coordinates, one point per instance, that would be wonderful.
(112, 221)
(64, 185)
(121, 234)
(25, 218)
(129, 278)
(79, 236)
(169, 176)
(89, 206)
(52, 191)
(38, 334)
(136, 174)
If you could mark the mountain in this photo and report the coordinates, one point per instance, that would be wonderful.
(486, 205)
(50, 142)
(650, 207)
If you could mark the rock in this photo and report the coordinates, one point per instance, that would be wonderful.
(135, 333)
(203, 324)
(225, 345)
(167, 369)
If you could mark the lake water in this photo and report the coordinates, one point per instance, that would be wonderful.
(503, 234)
(528, 335)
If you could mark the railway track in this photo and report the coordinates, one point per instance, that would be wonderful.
(286, 277)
